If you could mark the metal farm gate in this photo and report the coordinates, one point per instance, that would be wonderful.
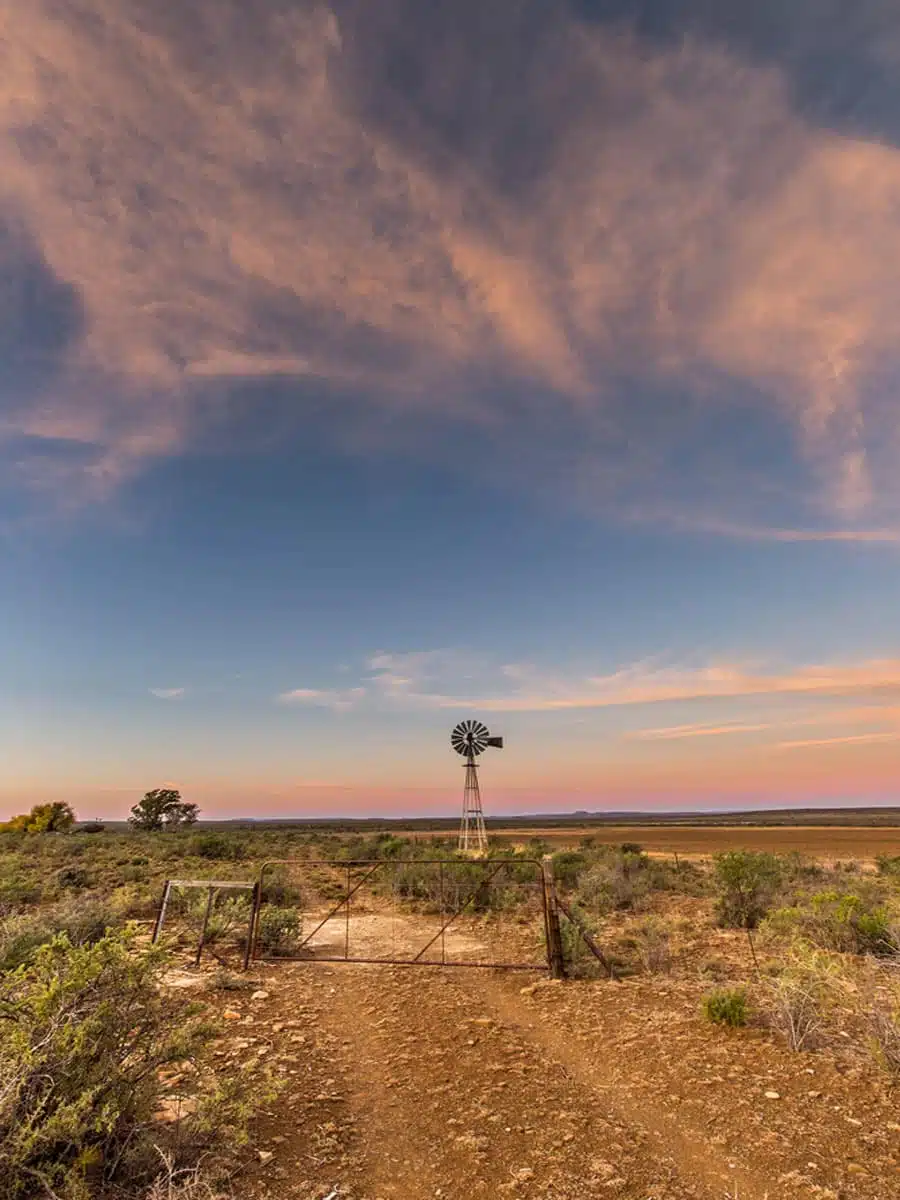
(349, 911)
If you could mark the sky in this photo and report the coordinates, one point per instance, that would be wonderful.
(369, 367)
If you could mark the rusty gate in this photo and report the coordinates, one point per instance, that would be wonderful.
(347, 911)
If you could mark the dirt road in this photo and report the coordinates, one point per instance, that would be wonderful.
(407, 1084)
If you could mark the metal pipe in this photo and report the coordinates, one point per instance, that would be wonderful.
(347, 919)
(254, 923)
(443, 942)
(161, 915)
(411, 962)
(380, 862)
(462, 908)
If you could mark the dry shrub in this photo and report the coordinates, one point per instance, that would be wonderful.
(618, 880)
(653, 945)
(884, 1029)
(183, 1184)
(800, 996)
(880, 993)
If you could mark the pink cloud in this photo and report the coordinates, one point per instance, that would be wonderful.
(268, 225)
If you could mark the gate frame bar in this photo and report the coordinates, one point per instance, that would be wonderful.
(543, 881)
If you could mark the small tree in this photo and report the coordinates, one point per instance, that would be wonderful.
(162, 808)
(746, 883)
(56, 817)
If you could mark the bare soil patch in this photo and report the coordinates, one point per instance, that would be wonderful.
(415, 1083)
(388, 935)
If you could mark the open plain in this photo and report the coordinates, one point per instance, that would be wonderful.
(739, 1041)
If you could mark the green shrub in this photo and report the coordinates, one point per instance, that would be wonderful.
(841, 921)
(278, 889)
(726, 1006)
(219, 846)
(580, 962)
(888, 865)
(567, 866)
(617, 880)
(279, 930)
(73, 877)
(83, 924)
(85, 1034)
(17, 890)
(746, 883)
(228, 916)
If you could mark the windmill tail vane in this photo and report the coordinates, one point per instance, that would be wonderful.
(471, 738)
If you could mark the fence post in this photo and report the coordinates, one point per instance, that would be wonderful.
(161, 914)
(254, 920)
(555, 958)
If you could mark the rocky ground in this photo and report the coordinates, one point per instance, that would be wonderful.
(414, 1083)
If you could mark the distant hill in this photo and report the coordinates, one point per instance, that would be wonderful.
(884, 816)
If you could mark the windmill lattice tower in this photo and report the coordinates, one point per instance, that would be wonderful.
(471, 738)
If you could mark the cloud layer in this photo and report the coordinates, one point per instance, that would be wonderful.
(637, 248)
(445, 679)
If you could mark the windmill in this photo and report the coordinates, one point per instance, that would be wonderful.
(471, 738)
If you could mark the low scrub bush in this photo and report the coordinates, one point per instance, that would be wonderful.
(220, 846)
(279, 889)
(653, 945)
(799, 996)
(87, 1031)
(567, 867)
(622, 878)
(74, 878)
(279, 930)
(228, 917)
(884, 1032)
(134, 900)
(618, 880)
(888, 864)
(726, 1006)
(746, 883)
(840, 921)
(580, 962)
(81, 923)
(18, 888)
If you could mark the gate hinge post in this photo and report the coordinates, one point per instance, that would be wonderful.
(556, 961)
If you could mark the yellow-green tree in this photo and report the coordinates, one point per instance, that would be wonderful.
(56, 817)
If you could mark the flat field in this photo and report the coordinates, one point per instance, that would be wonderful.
(411, 1082)
(827, 842)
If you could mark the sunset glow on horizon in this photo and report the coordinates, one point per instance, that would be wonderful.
(368, 366)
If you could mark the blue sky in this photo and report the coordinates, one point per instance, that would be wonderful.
(326, 424)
